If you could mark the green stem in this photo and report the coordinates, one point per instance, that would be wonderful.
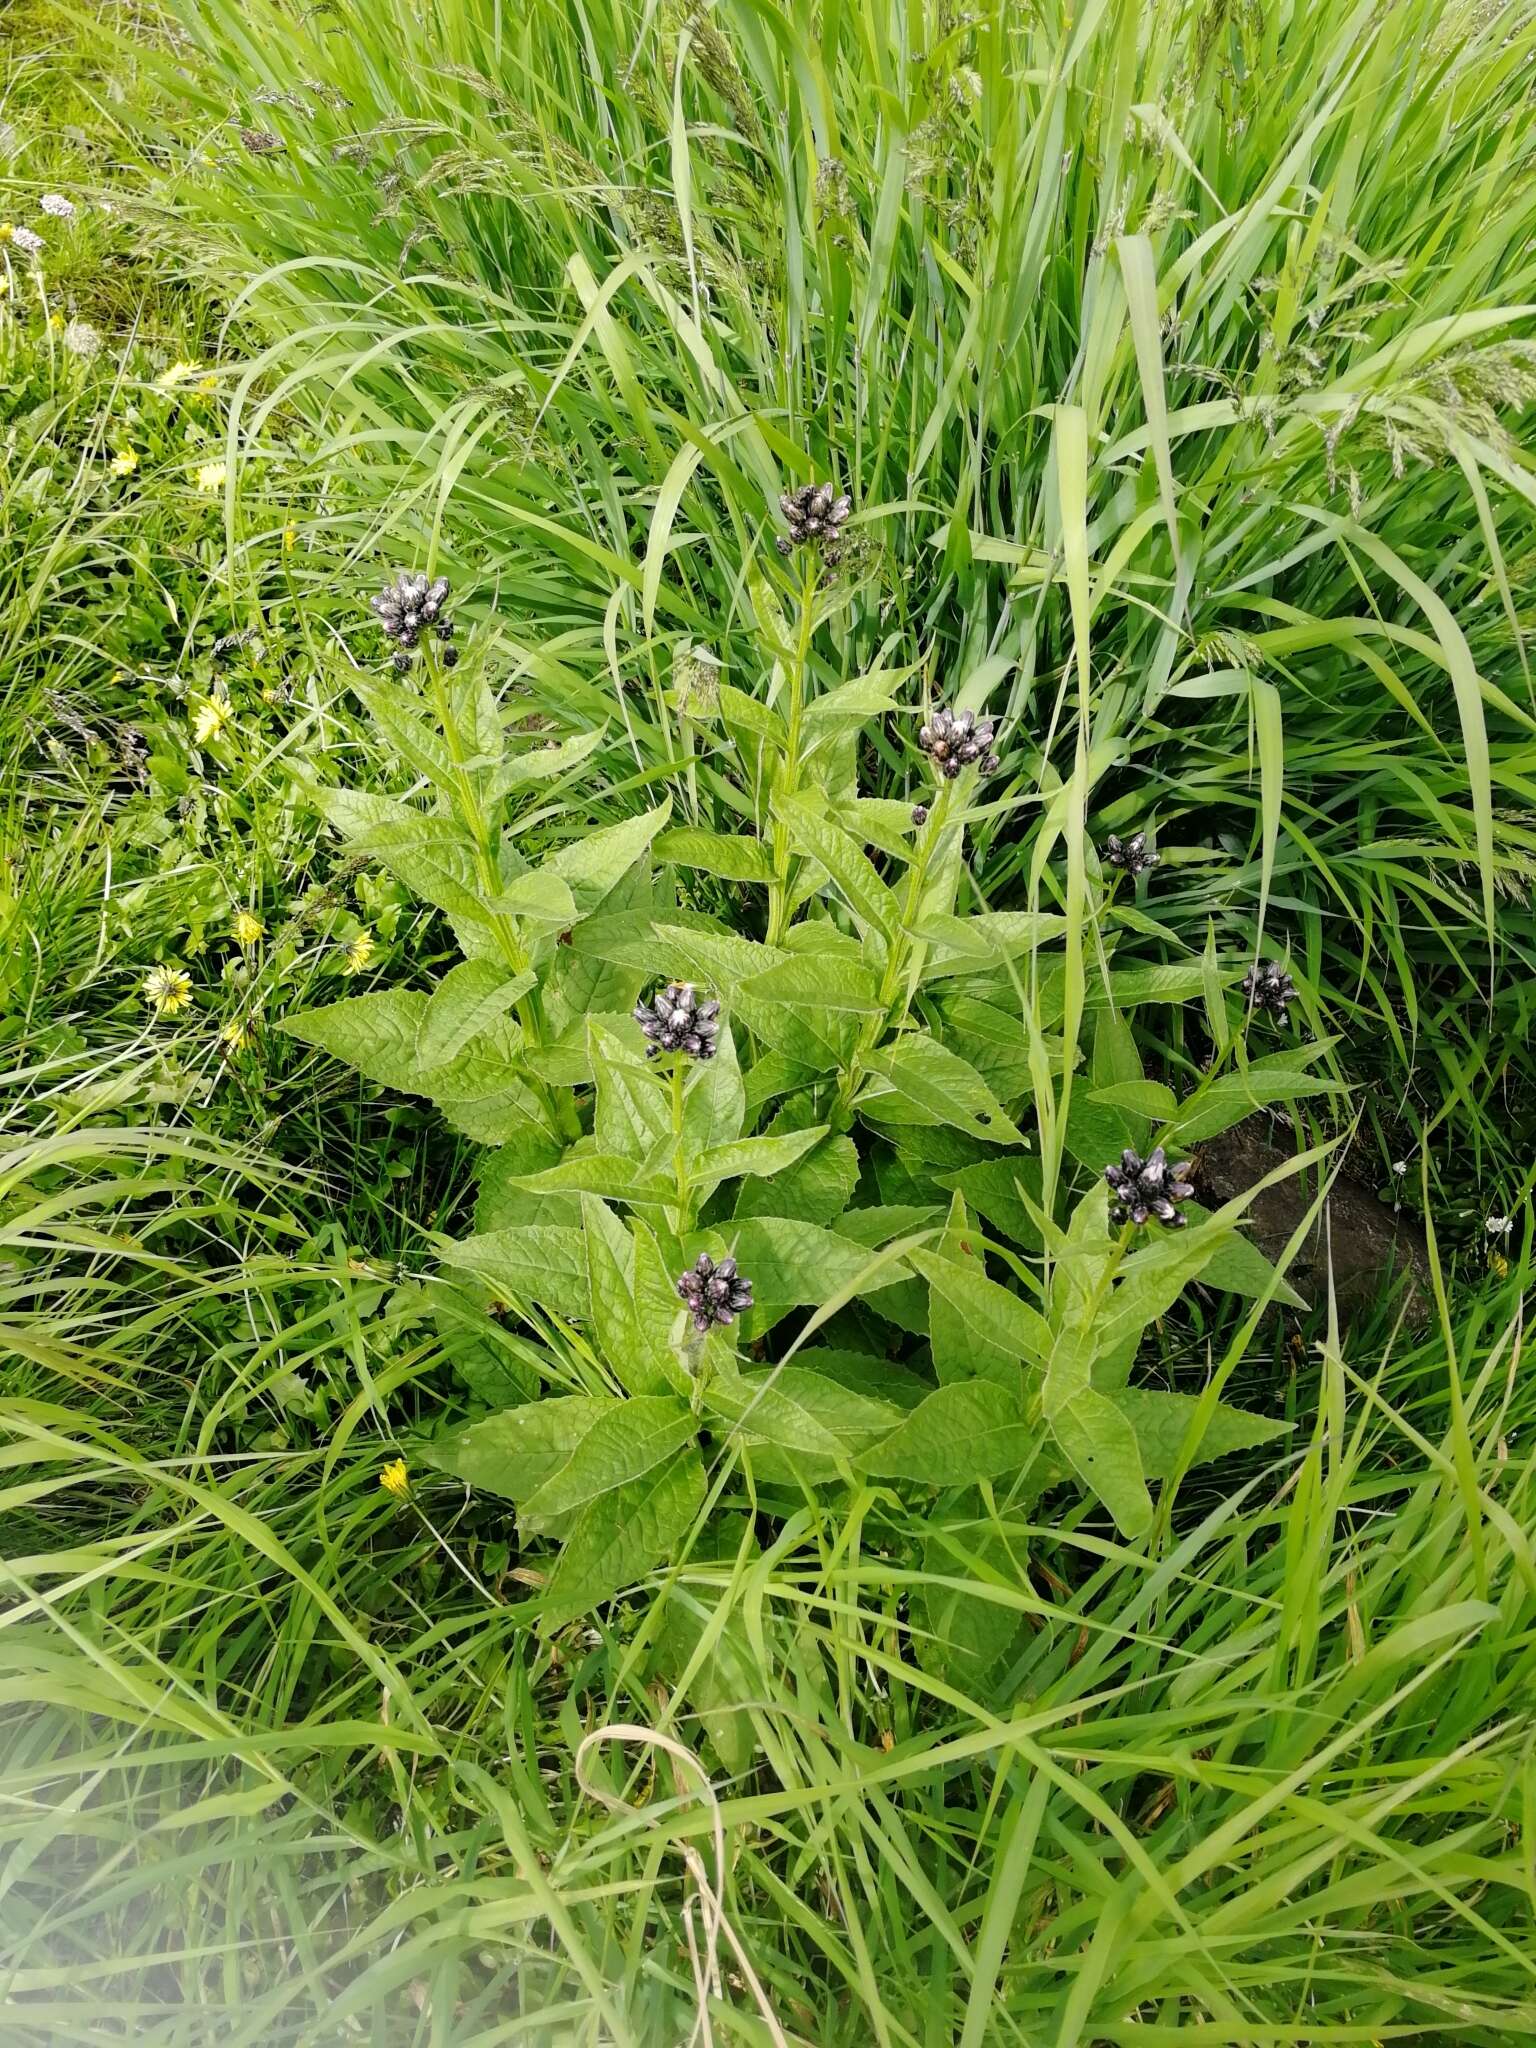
(561, 1111)
(789, 772)
(679, 1167)
(903, 955)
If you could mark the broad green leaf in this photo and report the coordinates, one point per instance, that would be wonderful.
(816, 1189)
(419, 746)
(622, 1445)
(513, 1453)
(865, 697)
(944, 1087)
(1141, 1098)
(1239, 1267)
(1001, 1190)
(539, 1262)
(746, 714)
(541, 764)
(619, 1537)
(796, 1265)
(434, 858)
(468, 1000)
(967, 1431)
(1161, 1422)
(782, 1011)
(1150, 1281)
(715, 1105)
(761, 1157)
(611, 1291)
(735, 857)
(661, 1323)
(992, 1316)
(593, 866)
(607, 1174)
(813, 831)
(968, 945)
(1100, 1445)
(539, 898)
(375, 1033)
(1227, 1100)
(631, 1115)
(796, 1409)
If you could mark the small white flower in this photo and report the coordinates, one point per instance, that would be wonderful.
(1399, 1167)
(82, 339)
(1499, 1226)
(57, 205)
(28, 243)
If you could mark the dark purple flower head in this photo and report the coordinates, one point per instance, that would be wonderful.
(1267, 986)
(815, 514)
(676, 1021)
(1133, 855)
(409, 607)
(919, 814)
(952, 740)
(714, 1293)
(1148, 1187)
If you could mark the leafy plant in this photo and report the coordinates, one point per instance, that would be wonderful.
(881, 1017)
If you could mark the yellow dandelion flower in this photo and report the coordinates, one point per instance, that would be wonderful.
(395, 1480)
(210, 478)
(56, 322)
(235, 1036)
(124, 462)
(167, 990)
(178, 373)
(359, 953)
(247, 928)
(6, 230)
(207, 384)
(290, 539)
(210, 719)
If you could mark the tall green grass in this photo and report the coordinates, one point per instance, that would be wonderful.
(559, 298)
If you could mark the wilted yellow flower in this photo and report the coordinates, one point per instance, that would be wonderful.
(395, 1480)
(178, 373)
(167, 990)
(235, 1036)
(248, 928)
(210, 719)
(290, 539)
(210, 477)
(124, 462)
(359, 953)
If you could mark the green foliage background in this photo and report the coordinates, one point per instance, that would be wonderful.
(1179, 362)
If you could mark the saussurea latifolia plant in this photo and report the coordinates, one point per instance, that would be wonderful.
(760, 1187)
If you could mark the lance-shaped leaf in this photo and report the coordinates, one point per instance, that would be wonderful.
(593, 866)
(734, 857)
(1100, 1445)
(631, 1115)
(469, 999)
(514, 1452)
(538, 1262)
(619, 1537)
(758, 1156)
(622, 1445)
(994, 1320)
(960, 1434)
(813, 832)
(941, 1086)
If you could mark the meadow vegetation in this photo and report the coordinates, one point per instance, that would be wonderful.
(709, 713)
